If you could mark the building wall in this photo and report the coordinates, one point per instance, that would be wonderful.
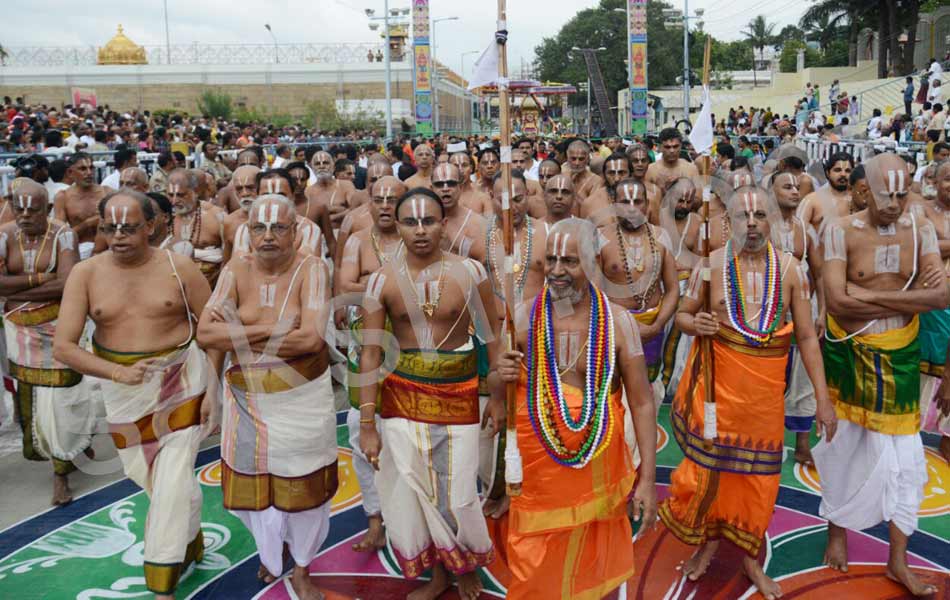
(284, 89)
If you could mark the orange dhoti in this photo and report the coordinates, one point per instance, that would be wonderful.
(728, 490)
(569, 535)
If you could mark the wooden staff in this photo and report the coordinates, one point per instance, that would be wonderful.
(513, 488)
(709, 429)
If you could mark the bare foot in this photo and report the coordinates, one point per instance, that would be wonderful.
(61, 492)
(496, 509)
(470, 586)
(836, 552)
(902, 574)
(303, 585)
(90, 452)
(434, 588)
(762, 582)
(695, 567)
(945, 448)
(264, 575)
(802, 449)
(375, 537)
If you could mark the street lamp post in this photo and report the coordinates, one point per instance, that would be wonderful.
(466, 96)
(434, 70)
(387, 57)
(273, 37)
(677, 19)
(168, 41)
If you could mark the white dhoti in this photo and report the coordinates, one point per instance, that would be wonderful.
(800, 403)
(426, 481)
(209, 261)
(676, 348)
(303, 532)
(869, 477)
(56, 411)
(488, 455)
(428, 467)
(156, 428)
(365, 473)
(279, 455)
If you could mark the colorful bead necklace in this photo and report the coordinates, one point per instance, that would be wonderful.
(520, 269)
(640, 299)
(771, 312)
(547, 406)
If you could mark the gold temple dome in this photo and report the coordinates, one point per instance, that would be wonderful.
(120, 50)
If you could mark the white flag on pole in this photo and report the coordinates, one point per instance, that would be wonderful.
(486, 68)
(701, 135)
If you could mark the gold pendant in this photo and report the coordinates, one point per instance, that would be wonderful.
(517, 268)
(428, 308)
(640, 267)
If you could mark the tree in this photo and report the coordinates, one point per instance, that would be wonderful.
(788, 59)
(855, 14)
(789, 32)
(596, 27)
(759, 33)
(215, 104)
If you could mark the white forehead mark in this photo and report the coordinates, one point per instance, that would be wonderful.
(247, 180)
(115, 219)
(895, 181)
(27, 204)
(274, 209)
(125, 214)
(387, 194)
(174, 188)
(557, 238)
(564, 245)
(627, 194)
(261, 213)
(270, 186)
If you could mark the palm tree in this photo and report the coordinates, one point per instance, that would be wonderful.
(821, 29)
(3, 55)
(759, 33)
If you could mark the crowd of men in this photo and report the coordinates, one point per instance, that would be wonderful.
(232, 296)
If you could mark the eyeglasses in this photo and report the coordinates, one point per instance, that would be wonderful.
(448, 183)
(110, 229)
(278, 229)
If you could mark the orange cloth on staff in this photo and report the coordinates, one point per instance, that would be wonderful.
(569, 536)
(729, 490)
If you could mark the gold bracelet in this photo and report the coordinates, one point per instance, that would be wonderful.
(367, 421)
(373, 404)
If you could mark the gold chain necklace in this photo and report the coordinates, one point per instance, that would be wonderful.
(640, 299)
(428, 307)
(382, 257)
